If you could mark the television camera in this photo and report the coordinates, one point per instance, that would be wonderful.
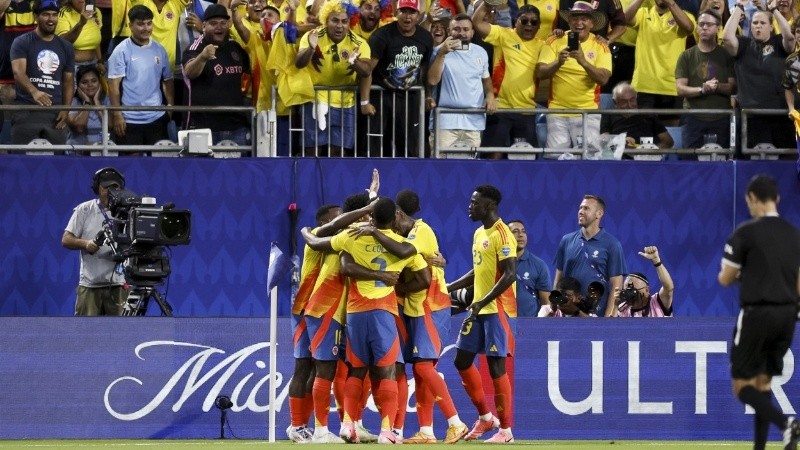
(139, 234)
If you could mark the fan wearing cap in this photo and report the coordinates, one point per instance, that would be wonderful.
(662, 31)
(401, 52)
(613, 27)
(43, 66)
(333, 56)
(101, 290)
(643, 303)
(213, 67)
(577, 76)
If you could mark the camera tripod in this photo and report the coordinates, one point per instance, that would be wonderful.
(138, 299)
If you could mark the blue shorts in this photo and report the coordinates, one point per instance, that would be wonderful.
(372, 339)
(300, 339)
(326, 338)
(339, 131)
(492, 334)
(425, 334)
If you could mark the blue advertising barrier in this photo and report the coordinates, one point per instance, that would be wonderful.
(78, 378)
(240, 206)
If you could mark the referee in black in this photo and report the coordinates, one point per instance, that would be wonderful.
(764, 255)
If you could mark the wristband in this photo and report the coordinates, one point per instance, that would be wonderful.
(772, 10)
(364, 102)
(658, 264)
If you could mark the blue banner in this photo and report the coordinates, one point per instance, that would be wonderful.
(239, 207)
(78, 378)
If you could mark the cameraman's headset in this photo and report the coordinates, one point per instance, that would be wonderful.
(103, 173)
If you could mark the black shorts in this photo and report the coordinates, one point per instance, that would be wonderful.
(761, 338)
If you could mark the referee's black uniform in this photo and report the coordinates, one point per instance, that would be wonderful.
(767, 252)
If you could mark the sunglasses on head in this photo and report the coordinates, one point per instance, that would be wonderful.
(526, 21)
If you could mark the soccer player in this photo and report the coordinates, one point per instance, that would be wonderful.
(426, 314)
(489, 328)
(373, 344)
(764, 255)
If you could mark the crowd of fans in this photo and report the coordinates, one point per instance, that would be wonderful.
(390, 57)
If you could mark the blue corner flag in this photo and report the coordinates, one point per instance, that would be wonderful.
(279, 265)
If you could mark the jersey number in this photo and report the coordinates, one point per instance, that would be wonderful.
(381, 263)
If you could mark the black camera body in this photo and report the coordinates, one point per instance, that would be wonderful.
(139, 232)
(138, 221)
(628, 295)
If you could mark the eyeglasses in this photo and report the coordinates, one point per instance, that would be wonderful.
(526, 21)
(707, 24)
(335, 53)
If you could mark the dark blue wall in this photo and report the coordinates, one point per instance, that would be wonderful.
(240, 206)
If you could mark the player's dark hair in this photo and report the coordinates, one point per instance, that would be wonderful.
(384, 212)
(139, 12)
(596, 198)
(490, 192)
(764, 187)
(408, 201)
(323, 211)
(519, 221)
(355, 201)
(569, 284)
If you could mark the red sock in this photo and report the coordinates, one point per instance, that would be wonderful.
(338, 387)
(503, 401)
(322, 400)
(386, 399)
(402, 399)
(437, 386)
(366, 390)
(308, 406)
(352, 399)
(296, 411)
(424, 400)
(471, 379)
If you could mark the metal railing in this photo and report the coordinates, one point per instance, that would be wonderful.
(706, 152)
(108, 148)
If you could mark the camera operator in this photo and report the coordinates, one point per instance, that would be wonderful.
(567, 301)
(100, 289)
(635, 299)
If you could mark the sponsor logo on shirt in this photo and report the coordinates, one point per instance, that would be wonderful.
(505, 251)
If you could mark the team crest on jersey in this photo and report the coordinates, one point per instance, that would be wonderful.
(335, 350)
(218, 70)
(235, 56)
(595, 254)
(549, 7)
(590, 55)
(485, 244)
(47, 61)
(169, 15)
(158, 60)
(505, 251)
(768, 50)
(286, 10)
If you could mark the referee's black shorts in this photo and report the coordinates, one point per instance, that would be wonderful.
(761, 338)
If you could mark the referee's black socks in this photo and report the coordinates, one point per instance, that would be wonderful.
(762, 404)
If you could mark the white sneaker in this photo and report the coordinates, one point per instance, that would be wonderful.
(364, 435)
(301, 434)
(327, 438)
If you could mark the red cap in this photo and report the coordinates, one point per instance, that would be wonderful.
(413, 4)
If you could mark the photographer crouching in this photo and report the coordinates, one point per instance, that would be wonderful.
(101, 291)
(567, 301)
(634, 300)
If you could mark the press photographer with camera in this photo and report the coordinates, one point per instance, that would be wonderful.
(567, 300)
(101, 290)
(635, 300)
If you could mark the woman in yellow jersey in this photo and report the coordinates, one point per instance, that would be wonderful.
(79, 22)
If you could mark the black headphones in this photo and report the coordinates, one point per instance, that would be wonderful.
(104, 173)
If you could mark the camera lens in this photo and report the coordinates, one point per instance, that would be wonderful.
(174, 226)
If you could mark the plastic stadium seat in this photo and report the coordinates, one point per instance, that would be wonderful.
(39, 143)
(165, 143)
(677, 136)
(765, 148)
(225, 155)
